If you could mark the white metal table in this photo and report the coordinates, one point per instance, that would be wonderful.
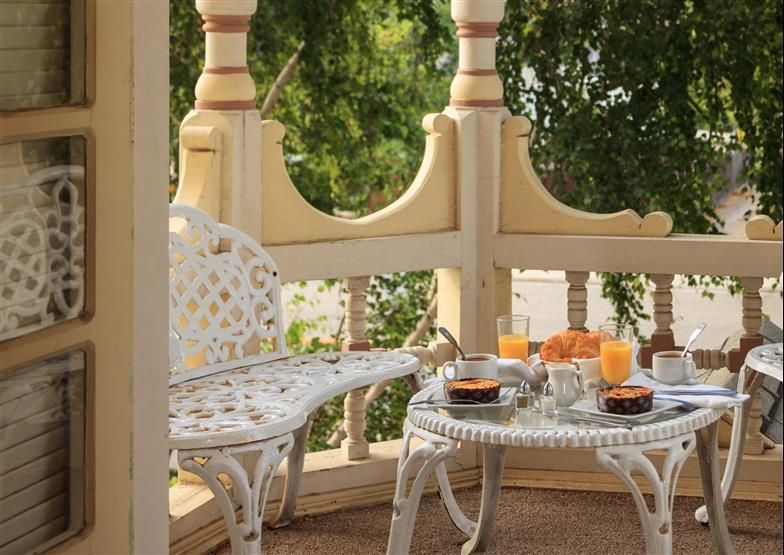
(765, 360)
(621, 450)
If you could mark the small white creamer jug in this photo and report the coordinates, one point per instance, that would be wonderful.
(566, 380)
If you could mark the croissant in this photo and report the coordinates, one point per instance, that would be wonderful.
(569, 344)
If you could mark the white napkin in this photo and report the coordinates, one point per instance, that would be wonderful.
(515, 370)
(512, 371)
(700, 394)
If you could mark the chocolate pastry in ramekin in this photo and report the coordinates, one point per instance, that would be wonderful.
(624, 399)
(479, 390)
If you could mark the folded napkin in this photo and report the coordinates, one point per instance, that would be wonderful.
(511, 370)
(699, 394)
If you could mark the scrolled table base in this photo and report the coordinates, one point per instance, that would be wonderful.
(622, 460)
(433, 451)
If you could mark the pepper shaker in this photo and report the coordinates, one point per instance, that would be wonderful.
(547, 399)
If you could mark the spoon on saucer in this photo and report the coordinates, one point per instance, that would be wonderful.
(693, 337)
(449, 337)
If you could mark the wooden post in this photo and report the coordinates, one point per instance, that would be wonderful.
(577, 300)
(355, 446)
(471, 296)
(227, 184)
(662, 338)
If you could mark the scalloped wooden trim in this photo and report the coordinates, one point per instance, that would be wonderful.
(429, 204)
(763, 228)
(527, 207)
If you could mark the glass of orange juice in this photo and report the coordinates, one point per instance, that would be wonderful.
(513, 336)
(615, 351)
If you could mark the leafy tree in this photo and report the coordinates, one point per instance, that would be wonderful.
(638, 103)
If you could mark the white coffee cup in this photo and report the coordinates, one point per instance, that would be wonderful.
(476, 365)
(671, 368)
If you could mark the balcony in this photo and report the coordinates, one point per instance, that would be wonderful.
(473, 222)
(88, 295)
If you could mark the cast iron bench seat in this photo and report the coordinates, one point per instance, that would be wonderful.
(237, 410)
(265, 400)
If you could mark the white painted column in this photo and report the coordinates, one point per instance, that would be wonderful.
(470, 297)
(225, 111)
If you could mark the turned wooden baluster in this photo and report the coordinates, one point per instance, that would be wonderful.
(354, 446)
(752, 322)
(662, 338)
(577, 300)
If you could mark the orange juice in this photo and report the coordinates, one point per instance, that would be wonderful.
(513, 346)
(616, 361)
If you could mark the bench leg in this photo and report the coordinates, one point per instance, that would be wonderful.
(248, 493)
(294, 466)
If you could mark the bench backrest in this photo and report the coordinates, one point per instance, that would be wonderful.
(224, 298)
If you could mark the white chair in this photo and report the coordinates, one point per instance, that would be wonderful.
(236, 410)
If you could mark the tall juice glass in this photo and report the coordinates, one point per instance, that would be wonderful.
(513, 336)
(615, 351)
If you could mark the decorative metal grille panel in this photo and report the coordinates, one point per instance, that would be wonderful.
(224, 293)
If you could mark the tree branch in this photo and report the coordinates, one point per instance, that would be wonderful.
(281, 81)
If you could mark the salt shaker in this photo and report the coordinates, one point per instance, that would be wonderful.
(547, 399)
(524, 399)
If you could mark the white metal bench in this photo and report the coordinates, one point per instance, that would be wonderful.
(234, 412)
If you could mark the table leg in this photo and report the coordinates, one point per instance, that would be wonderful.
(462, 522)
(433, 451)
(249, 492)
(492, 471)
(708, 452)
(623, 459)
(740, 424)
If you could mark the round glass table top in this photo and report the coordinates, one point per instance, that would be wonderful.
(501, 423)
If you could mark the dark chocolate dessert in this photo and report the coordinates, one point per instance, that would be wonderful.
(627, 399)
(481, 390)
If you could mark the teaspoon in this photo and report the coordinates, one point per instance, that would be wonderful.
(693, 337)
(445, 332)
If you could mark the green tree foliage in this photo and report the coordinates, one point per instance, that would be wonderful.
(638, 103)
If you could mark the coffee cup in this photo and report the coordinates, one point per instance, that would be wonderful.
(671, 368)
(475, 365)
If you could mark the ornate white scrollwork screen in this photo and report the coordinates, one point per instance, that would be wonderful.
(224, 295)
